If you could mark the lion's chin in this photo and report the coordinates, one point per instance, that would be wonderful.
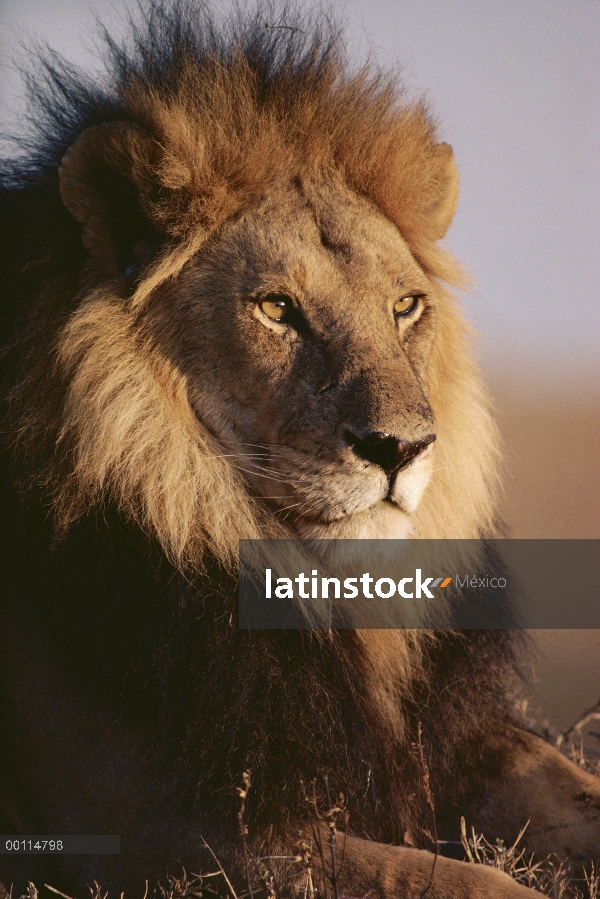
(382, 521)
(387, 519)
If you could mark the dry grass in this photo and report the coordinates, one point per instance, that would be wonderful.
(550, 876)
(317, 862)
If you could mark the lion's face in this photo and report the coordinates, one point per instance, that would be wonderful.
(268, 314)
(304, 331)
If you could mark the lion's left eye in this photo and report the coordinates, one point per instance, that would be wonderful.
(406, 305)
(277, 306)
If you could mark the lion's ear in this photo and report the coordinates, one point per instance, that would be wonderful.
(443, 212)
(107, 183)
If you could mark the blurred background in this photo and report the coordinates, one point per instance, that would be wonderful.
(516, 89)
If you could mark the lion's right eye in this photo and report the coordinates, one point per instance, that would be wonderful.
(277, 306)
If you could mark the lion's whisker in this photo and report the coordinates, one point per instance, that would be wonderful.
(268, 477)
(232, 456)
(291, 506)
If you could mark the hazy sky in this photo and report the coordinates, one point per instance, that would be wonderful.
(516, 87)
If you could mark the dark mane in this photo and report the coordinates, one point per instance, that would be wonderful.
(279, 42)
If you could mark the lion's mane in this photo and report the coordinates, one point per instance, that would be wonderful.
(108, 463)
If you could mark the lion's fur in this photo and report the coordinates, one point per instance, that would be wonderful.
(137, 438)
(101, 423)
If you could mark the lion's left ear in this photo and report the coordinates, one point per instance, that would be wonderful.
(107, 183)
(442, 213)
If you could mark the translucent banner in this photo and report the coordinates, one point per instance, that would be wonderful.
(419, 584)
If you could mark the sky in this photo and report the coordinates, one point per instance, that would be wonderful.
(515, 86)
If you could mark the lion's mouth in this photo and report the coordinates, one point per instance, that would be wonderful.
(399, 492)
(303, 494)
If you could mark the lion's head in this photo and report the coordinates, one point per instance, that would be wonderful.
(261, 344)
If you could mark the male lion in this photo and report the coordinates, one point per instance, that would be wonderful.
(224, 317)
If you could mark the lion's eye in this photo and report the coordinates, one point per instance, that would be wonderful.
(406, 305)
(277, 306)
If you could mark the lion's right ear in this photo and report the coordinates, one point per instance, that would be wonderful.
(446, 201)
(107, 183)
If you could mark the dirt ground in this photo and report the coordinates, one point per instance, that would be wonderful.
(552, 490)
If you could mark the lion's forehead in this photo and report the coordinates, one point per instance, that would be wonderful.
(321, 235)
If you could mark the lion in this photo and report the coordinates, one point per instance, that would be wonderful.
(226, 316)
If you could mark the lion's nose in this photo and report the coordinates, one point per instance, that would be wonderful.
(387, 451)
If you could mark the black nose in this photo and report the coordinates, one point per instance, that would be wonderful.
(388, 452)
